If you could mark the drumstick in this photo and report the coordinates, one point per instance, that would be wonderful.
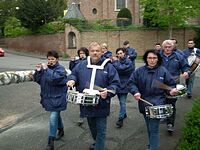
(102, 89)
(161, 85)
(146, 101)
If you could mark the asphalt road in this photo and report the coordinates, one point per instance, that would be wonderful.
(24, 123)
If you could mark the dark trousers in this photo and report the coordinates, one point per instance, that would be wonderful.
(171, 119)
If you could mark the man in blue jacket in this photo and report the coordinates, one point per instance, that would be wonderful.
(52, 79)
(130, 52)
(107, 78)
(124, 68)
(142, 86)
(191, 51)
(176, 64)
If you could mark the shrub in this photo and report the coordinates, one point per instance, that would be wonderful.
(13, 28)
(197, 37)
(124, 17)
(191, 131)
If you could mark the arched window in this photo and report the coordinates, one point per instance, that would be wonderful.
(71, 40)
(119, 4)
(94, 11)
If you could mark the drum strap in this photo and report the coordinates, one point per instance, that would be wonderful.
(94, 68)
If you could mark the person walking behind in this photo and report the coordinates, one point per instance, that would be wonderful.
(83, 53)
(191, 51)
(52, 79)
(176, 64)
(141, 86)
(124, 68)
(130, 52)
(99, 73)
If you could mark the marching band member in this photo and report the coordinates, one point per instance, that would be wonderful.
(141, 86)
(176, 64)
(107, 78)
(106, 52)
(191, 50)
(124, 67)
(83, 53)
(52, 79)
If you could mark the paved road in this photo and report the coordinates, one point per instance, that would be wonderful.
(24, 124)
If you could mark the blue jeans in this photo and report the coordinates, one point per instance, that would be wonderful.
(171, 119)
(153, 132)
(189, 83)
(97, 127)
(122, 103)
(55, 122)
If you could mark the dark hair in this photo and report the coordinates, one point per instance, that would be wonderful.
(126, 42)
(155, 52)
(84, 49)
(190, 40)
(121, 49)
(53, 53)
(157, 44)
(174, 40)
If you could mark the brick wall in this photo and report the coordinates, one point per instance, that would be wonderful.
(139, 39)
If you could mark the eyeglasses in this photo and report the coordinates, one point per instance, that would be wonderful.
(152, 57)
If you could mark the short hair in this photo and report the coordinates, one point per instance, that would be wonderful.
(53, 53)
(126, 42)
(84, 49)
(174, 40)
(94, 44)
(155, 52)
(165, 42)
(120, 49)
(190, 40)
(157, 44)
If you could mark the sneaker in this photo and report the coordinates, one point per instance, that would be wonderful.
(60, 134)
(80, 121)
(189, 96)
(119, 123)
(170, 128)
(92, 146)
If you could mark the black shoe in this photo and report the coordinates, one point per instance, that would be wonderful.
(119, 123)
(92, 146)
(189, 96)
(170, 128)
(60, 134)
(50, 145)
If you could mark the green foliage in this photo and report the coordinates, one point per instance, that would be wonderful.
(52, 27)
(124, 17)
(35, 13)
(197, 37)
(14, 28)
(191, 131)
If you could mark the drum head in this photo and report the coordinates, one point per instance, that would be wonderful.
(191, 59)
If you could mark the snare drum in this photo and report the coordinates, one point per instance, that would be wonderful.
(160, 111)
(182, 91)
(88, 97)
(193, 61)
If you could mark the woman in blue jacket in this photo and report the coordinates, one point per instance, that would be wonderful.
(124, 68)
(141, 86)
(52, 79)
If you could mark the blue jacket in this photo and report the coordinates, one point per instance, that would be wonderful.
(73, 63)
(143, 80)
(175, 64)
(106, 78)
(52, 82)
(187, 52)
(106, 55)
(124, 68)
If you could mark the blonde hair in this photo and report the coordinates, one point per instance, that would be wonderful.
(104, 45)
(94, 44)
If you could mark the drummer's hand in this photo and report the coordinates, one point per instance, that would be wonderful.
(137, 96)
(185, 75)
(71, 83)
(173, 91)
(104, 93)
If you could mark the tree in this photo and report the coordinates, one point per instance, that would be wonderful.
(35, 13)
(7, 9)
(170, 13)
(124, 17)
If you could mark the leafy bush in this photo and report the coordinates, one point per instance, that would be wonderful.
(197, 37)
(13, 28)
(124, 17)
(191, 131)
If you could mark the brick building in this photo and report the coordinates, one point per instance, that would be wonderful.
(107, 9)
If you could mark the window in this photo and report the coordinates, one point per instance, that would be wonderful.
(72, 40)
(119, 4)
(94, 11)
